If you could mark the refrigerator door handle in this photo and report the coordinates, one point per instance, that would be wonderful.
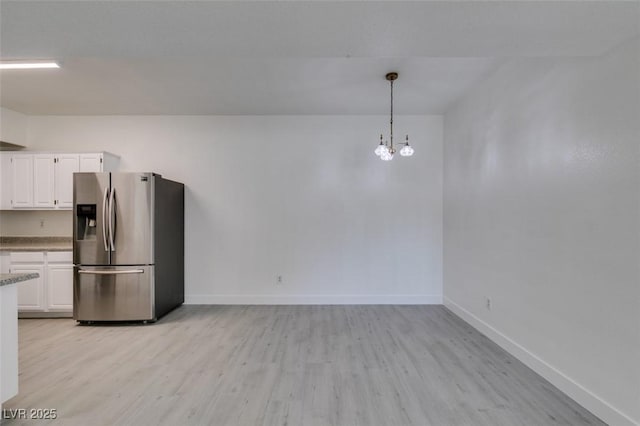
(113, 272)
(104, 219)
(112, 218)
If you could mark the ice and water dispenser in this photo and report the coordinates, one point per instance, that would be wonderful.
(86, 221)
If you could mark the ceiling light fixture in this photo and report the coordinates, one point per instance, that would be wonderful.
(27, 65)
(385, 150)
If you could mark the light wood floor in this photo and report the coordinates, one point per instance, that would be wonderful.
(283, 365)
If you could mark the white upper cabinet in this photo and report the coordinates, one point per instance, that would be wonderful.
(22, 180)
(91, 163)
(6, 181)
(45, 180)
(66, 166)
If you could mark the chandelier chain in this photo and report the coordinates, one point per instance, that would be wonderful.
(391, 120)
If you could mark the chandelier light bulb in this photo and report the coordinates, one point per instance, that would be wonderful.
(407, 150)
(386, 155)
(381, 147)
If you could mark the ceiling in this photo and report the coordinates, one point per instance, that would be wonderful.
(283, 57)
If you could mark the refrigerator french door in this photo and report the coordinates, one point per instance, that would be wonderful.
(128, 246)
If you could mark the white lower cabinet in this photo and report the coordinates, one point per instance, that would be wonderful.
(60, 287)
(53, 291)
(30, 293)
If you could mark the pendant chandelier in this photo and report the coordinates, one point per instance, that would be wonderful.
(385, 150)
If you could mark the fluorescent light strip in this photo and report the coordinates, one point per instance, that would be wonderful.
(27, 65)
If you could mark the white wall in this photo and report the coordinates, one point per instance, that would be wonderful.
(13, 127)
(34, 223)
(299, 196)
(542, 212)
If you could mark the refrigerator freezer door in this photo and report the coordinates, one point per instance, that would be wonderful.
(90, 220)
(113, 293)
(130, 221)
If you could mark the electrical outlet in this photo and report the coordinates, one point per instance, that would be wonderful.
(488, 303)
(41, 223)
(279, 279)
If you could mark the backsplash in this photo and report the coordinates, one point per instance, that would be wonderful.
(36, 223)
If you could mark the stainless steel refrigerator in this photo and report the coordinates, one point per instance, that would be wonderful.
(128, 246)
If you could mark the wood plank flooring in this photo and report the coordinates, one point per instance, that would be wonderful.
(283, 365)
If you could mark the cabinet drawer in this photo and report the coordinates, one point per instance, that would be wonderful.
(60, 256)
(26, 257)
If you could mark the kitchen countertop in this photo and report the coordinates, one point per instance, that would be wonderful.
(6, 279)
(35, 244)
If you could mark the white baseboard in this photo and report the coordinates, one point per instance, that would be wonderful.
(581, 395)
(320, 299)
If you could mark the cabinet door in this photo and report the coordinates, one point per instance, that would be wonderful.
(6, 181)
(22, 175)
(66, 165)
(90, 162)
(43, 180)
(30, 293)
(60, 287)
(5, 264)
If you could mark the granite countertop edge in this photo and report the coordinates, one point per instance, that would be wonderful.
(35, 247)
(7, 279)
(8, 244)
